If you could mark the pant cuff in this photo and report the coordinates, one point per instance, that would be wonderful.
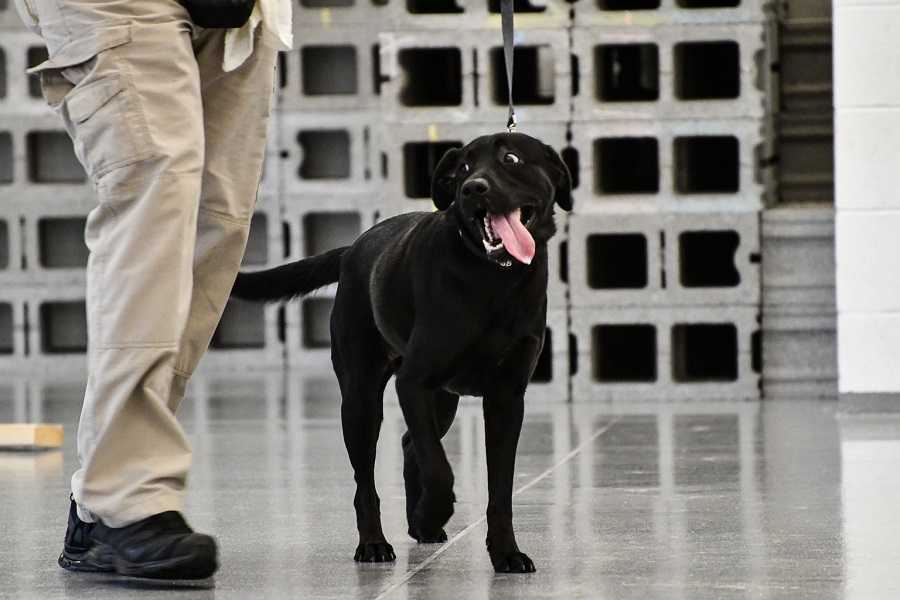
(135, 511)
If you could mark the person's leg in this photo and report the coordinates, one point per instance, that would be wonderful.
(134, 454)
(123, 77)
(236, 108)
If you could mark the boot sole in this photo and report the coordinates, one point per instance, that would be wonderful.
(84, 562)
(199, 564)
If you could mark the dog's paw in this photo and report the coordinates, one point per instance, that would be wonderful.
(438, 536)
(375, 552)
(512, 562)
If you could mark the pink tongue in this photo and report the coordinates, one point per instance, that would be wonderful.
(516, 239)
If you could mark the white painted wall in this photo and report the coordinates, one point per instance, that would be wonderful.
(867, 172)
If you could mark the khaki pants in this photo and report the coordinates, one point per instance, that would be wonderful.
(174, 149)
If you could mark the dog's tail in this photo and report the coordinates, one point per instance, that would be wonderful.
(290, 280)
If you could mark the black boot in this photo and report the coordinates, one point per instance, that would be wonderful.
(161, 546)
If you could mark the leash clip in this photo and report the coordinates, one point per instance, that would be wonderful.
(511, 123)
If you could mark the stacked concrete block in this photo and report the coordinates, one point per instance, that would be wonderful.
(799, 328)
(672, 125)
(663, 72)
(684, 166)
(799, 316)
(330, 165)
(44, 198)
(640, 353)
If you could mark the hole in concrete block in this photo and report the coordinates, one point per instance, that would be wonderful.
(626, 166)
(328, 70)
(6, 157)
(617, 261)
(7, 346)
(573, 354)
(377, 79)
(317, 322)
(35, 56)
(63, 327)
(4, 245)
(257, 252)
(628, 4)
(704, 352)
(419, 162)
(707, 258)
(433, 76)
(519, 6)
(326, 3)
(326, 154)
(627, 72)
(756, 358)
(543, 372)
(282, 70)
(708, 3)
(534, 75)
(329, 230)
(51, 158)
(624, 353)
(3, 77)
(61, 243)
(421, 7)
(707, 164)
(570, 157)
(564, 261)
(243, 326)
(707, 70)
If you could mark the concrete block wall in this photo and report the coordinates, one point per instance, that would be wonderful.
(674, 171)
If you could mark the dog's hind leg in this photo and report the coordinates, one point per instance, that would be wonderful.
(363, 371)
(444, 413)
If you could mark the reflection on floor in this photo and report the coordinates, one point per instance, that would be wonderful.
(780, 499)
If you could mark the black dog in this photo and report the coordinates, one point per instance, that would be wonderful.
(452, 302)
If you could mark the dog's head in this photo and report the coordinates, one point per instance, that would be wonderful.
(502, 188)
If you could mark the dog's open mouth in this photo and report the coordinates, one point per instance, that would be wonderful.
(507, 235)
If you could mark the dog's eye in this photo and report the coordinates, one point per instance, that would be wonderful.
(464, 168)
(511, 159)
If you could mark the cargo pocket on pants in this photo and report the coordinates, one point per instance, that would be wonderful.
(102, 112)
(110, 130)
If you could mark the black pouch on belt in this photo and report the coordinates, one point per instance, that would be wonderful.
(219, 14)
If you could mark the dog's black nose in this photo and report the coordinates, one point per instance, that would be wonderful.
(477, 186)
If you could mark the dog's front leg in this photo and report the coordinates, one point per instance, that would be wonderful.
(435, 506)
(502, 424)
(504, 408)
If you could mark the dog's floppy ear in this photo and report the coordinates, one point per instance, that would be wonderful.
(562, 179)
(443, 182)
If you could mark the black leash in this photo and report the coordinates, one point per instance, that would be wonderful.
(506, 9)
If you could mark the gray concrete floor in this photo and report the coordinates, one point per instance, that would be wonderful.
(693, 500)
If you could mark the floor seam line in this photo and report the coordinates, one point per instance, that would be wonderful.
(465, 530)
